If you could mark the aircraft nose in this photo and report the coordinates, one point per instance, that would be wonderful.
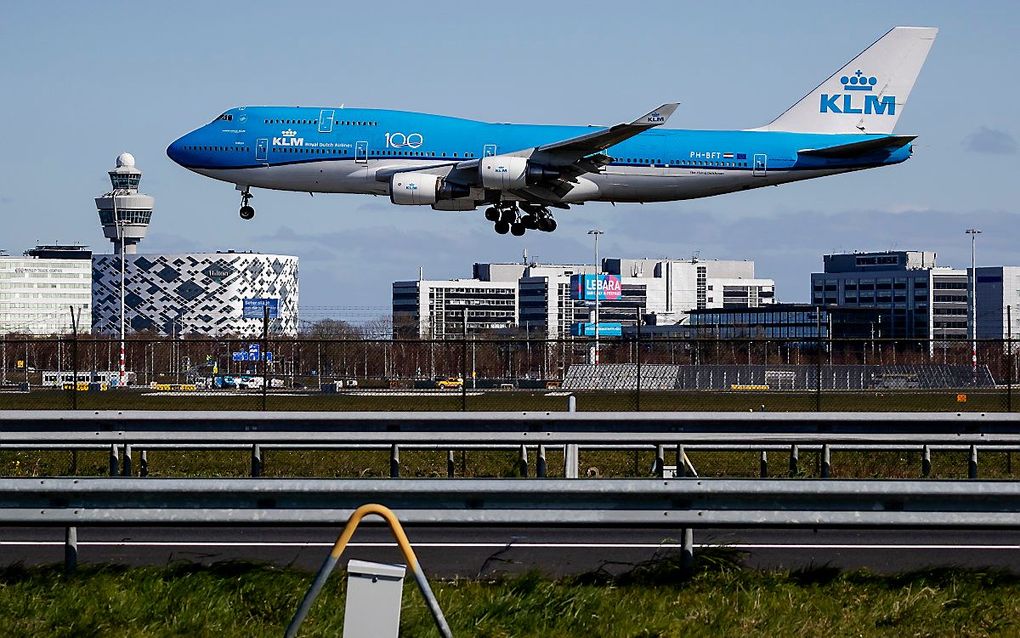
(177, 151)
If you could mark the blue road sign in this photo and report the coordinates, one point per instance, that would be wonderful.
(253, 308)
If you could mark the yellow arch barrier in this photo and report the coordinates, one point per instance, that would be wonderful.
(338, 548)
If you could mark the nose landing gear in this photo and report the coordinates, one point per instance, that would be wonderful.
(246, 212)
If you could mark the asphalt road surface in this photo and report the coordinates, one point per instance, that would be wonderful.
(487, 551)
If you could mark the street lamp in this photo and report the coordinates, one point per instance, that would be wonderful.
(598, 289)
(973, 232)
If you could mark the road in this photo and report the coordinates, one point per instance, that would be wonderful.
(475, 551)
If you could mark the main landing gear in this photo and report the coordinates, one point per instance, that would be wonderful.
(508, 218)
(246, 212)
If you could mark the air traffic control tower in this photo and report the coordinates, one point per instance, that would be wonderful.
(124, 212)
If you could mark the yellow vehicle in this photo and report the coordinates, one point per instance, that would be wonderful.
(450, 383)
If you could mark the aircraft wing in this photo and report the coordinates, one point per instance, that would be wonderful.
(571, 157)
(578, 147)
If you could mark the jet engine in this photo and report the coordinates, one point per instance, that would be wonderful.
(416, 189)
(503, 172)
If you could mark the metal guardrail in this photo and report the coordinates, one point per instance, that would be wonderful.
(660, 422)
(687, 503)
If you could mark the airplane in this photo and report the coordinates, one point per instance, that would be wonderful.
(521, 172)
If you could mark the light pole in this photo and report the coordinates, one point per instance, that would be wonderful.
(973, 232)
(598, 289)
(120, 241)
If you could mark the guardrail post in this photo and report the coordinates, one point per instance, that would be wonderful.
(925, 461)
(449, 464)
(70, 549)
(660, 461)
(256, 461)
(522, 462)
(687, 555)
(114, 460)
(826, 462)
(681, 468)
(126, 468)
(972, 464)
(540, 465)
(763, 464)
(395, 461)
(571, 461)
(571, 403)
(794, 460)
(143, 463)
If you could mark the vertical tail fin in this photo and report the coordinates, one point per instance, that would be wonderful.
(869, 93)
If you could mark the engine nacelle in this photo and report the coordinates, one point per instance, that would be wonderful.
(502, 172)
(415, 189)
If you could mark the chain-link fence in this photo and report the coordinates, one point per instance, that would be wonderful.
(511, 373)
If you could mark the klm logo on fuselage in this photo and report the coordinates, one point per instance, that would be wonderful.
(288, 139)
(858, 97)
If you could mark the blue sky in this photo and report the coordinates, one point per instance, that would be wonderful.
(83, 82)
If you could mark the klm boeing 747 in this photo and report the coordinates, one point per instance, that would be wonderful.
(521, 172)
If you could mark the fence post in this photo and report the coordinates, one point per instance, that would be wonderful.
(687, 555)
(826, 462)
(70, 549)
(264, 356)
(972, 464)
(126, 469)
(464, 365)
(395, 461)
(74, 360)
(925, 461)
(449, 464)
(522, 462)
(143, 463)
(794, 460)
(571, 403)
(540, 464)
(114, 460)
(818, 361)
(256, 461)
(660, 461)
(571, 461)
(637, 359)
(763, 464)
(681, 468)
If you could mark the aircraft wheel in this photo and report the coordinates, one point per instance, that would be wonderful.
(247, 212)
(492, 214)
(502, 227)
(547, 224)
(517, 230)
(530, 222)
(508, 215)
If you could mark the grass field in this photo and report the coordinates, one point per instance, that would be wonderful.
(656, 600)
(885, 401)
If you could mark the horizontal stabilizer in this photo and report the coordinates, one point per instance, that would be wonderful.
(868, 147)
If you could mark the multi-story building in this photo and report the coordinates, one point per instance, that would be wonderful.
(998, 302)
(39, 290)
(536, 297)
(194, 293)
(920, 300)
(444, 309)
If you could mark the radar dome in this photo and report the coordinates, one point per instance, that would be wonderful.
(125, 159)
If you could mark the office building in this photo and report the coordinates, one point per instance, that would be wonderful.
(39, 290)
(998, 302)
(194, 293)
(448, 309)
(536, 298)
(919, 299)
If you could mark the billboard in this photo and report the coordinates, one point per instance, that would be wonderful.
(592, 287)
(606, 329)
(253, 308)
